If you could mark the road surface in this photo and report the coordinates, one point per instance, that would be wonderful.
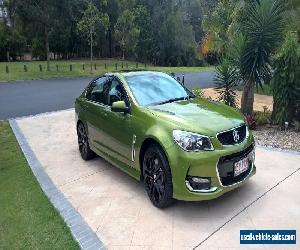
(32, 97)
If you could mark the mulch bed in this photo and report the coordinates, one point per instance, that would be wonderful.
(274, 137)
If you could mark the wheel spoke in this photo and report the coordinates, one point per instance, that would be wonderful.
(151, 187)
(82, 141)
(147, 172)
(154, 177)
(160, 190)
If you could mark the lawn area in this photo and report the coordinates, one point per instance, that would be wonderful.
(27, 218)
(16, 70)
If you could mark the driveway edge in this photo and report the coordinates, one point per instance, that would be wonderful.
(282, 150)
(82, 233)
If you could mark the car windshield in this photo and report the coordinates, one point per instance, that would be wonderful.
(156, 88)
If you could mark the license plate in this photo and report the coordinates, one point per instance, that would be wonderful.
(241, 166)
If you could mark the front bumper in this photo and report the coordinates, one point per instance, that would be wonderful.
(208, 164)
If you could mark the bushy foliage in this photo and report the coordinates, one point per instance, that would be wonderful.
(226, 80)
(263, 118)
(262, 26)
(297, 126)
(198, 92)
(286, 81)
(220, 25)
(258, 36)
(126, 32)
(159, 32)
(251, 121)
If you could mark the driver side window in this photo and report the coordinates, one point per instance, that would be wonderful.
(97, 91)
(116, 92)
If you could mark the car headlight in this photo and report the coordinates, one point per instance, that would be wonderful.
(191, 141)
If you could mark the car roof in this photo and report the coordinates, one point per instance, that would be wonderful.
(134, 73)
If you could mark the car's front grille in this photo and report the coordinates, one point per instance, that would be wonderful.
(233, 136)
(225, 167)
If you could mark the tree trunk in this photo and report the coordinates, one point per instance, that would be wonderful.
(247, 98)
(91, 40)
(8, 56)
(47, 47)
(110, 43)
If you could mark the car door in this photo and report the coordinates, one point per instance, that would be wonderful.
(96, 110)
(119, 134)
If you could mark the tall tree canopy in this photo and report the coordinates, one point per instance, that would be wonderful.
(165, 32)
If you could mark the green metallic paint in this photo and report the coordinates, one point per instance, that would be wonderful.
(111, 135)
(120, 106)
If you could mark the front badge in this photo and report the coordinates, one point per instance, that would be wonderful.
(236, 136)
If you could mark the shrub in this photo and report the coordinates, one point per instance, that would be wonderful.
(262, 118)
(251, 122)
(198, 92)
(286, 81)
(297, 126)
(226, 80)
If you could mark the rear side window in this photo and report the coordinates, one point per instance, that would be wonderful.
(97, 91)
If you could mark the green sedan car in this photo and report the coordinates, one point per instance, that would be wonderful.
(153, 128)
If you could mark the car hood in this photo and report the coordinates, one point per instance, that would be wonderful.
(199, 115)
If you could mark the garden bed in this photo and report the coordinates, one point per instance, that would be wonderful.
(266, 135)
(260, 101)
(274, 137)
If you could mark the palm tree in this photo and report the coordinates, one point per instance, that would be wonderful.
(261, 27)
(226, 80)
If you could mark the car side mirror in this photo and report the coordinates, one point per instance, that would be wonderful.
(119, 106)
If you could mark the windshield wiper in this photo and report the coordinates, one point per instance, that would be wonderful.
(174, 100)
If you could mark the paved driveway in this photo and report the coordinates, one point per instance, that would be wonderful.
(116, 207)
(39, 96)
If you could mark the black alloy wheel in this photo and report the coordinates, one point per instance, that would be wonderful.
(157, 177)
(83, 143)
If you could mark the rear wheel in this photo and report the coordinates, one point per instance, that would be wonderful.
(157, 177)
(83, 143)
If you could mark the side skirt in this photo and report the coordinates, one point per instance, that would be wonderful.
(136, 174)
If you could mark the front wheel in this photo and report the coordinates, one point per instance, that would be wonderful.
(157, 177)
(83, 143)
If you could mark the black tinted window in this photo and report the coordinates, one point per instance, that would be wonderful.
(98, 90)
(116, 92)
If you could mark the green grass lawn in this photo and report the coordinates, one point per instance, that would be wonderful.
(62, 69)
(27, 218)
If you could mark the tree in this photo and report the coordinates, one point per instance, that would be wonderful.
(162, 32)
(37, 18)
(146, 45)
(127, 32)
(220, 26)
(293, 15)
(91, 18)
(11, 36)
(286, 80)
(261, 28)
(226, 80)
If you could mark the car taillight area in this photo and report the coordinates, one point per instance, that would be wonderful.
(236, 167)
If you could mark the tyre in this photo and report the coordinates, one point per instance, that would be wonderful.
(157, 177)
(83, 143)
